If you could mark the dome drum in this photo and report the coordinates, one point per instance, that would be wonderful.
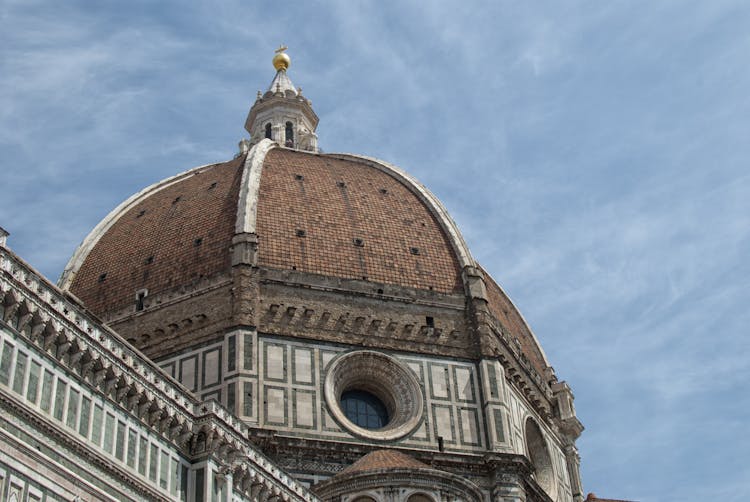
(393, 476)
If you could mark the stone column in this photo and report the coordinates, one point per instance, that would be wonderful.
(229, 484)
(573, 462)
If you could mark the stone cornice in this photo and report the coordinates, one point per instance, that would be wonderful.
(108, 365)
(354, 287)
(271, 100)
(51, 430)
(434, 479)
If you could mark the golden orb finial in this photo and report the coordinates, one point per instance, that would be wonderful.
(281, 60)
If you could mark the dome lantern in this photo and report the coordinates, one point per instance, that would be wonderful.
(282, 113)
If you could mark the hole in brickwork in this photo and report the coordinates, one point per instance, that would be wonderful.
(212, 186)
(299, 177)
(177, 199)
(414, 251)
(294, 267)
(340, 184)
(149, 260)
(301, 233)
(358, 242)
(141, 213)
(103, 277)
(380, 291)
(140, 296)
(430, 321)
(384, 191)
(197, 242)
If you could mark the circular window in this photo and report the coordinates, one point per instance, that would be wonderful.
(364, 409)
(373, 395)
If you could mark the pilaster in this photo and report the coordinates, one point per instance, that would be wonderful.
(573, 463)
(246, 288)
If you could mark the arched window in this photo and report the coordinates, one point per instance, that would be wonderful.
(419, 497)
(289, 137)
(268, 131)
(539, 456)
(364, 498)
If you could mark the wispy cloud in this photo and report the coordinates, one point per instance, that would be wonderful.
(594, 155)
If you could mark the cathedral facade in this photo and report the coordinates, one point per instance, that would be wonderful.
(285, 325)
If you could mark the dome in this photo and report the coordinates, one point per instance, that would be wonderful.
(324, 302)
(402, 474)
(288, 241)
(379, 460)
(336, 216)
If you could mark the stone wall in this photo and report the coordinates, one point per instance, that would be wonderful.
(277, 384)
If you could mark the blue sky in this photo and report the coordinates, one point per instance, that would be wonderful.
(594, 154)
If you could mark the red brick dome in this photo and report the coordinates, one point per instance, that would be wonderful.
(315, 213)
(331, 215)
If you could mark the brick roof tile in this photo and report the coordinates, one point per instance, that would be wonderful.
(153, 245)
(384, 459)
(337, 201)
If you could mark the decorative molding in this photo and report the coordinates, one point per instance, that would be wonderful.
(394, 383)
(247, 208)
(109, 365)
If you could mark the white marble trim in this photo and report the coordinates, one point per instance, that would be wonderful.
(83, 250)
(247, 207)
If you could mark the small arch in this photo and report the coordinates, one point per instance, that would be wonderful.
(268, 131)
(20, 319)
(538, 453)
(364, 498)
(289, 135)
(419, 497)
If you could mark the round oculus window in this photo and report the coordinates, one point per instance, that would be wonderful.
(364, 409)
(373, 395)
